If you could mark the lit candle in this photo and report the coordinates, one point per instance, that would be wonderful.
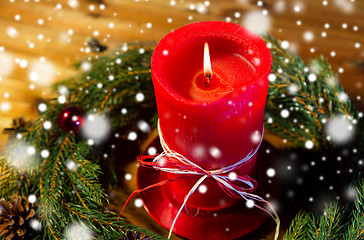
(211, 83)
(195, 122)
(208, 86)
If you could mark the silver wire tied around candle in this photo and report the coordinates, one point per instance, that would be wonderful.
(217, 174)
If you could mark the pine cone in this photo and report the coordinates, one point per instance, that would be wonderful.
(14, 217)
(18, 125)
(136, 236)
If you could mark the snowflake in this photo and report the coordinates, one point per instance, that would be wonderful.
(96, 127)
(35, 224)
(19, 155)
(139, 97)
(128, 176)
(12, 32)
(339, 129)
(78, 231)
(285, 113)
(42, 73)
(71, 165)
(152, 150)
(143, 126)
(271, 172)
(285, 44)
(308, 36)
(138, 203)
(5, 106)
(132, 136)
(250, 203)
(47, 125)
(86, 66)
(202, 189)
(257, 22)
(279, 6)
(215, 152)
(44, 153)
(309, 144)
(6, 63)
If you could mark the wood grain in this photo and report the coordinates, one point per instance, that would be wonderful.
(53, 40)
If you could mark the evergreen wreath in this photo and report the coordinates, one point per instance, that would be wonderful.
(310, 95)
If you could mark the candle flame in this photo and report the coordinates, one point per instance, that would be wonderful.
(207, 62)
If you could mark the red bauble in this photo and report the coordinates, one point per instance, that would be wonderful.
(71, 119)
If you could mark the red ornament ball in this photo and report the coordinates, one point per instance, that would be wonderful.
(71, 119)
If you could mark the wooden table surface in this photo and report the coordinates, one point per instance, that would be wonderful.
(48, 36)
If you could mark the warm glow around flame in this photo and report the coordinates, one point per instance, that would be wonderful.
(207, 62)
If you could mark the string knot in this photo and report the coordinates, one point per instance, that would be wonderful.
(174, 162)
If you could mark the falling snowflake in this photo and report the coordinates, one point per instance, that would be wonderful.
(344, 5)
(19, 155)
(86, 66)
(215, 152)
(271, 172)
(257, 22)
(6, 63)
(312, 77)
(198, 151)
(293, 88)
(340, 130)
(12, 32)
(250, 203)
(47, 125)
(285, 113)
(152, 150)
(233, 176)
(78, 231)
(44, 153)
(62, 99)
(279, 6)
(308, 36)
(201, 8)
(32, 198)
(42, 73)
(132, 136)
(71, 165)
(202, 189)
(139, 97)
(138, 203)
(272, 77)
(124, 111)
(35, 224)
(285, 44)
(5, 106)
(309, 144)
(143, 126)
(96, 127)
(128, 176)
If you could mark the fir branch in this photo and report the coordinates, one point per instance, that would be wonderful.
(355, 229)
(311, 94)
(12, 181)
(298, 228)
(335, 223)
(106, 223)
(327, 226)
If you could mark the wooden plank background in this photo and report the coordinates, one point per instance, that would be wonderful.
(55, 32)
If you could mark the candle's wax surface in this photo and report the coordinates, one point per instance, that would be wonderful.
(213, 128)
(185, 63)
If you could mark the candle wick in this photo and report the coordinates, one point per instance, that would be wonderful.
(208, 79)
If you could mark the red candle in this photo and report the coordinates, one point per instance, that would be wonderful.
(212, 115)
